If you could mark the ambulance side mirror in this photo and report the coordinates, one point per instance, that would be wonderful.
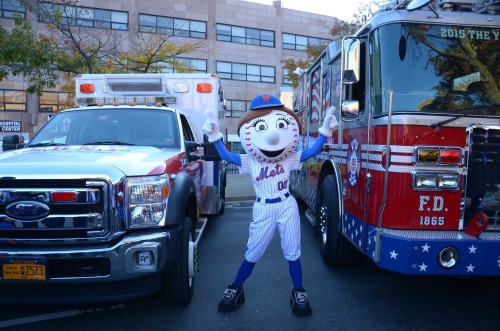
(209, 154)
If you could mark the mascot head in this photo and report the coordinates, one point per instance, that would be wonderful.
(269, 131)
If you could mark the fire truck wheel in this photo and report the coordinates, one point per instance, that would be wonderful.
(335, 248)
(178, 283)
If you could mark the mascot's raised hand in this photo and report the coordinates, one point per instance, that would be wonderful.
(330, 123)
(211, 129)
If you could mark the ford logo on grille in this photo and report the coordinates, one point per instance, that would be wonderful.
(27, 210)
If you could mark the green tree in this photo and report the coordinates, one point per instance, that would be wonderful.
(73, 44)
(22, 53)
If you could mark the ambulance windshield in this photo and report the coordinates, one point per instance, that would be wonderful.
(110, 126)
(436, 69)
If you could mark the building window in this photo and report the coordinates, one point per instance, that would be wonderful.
(53, 101)
(195, 65)
(248, 72)
(8, 8)
(286, 80)
(236, 108)
(299, 43)
(89, 17)
(172, 26)
(13, 100)
(242, 35)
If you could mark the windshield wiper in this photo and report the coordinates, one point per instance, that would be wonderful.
(45, 144)
(109, 143)
(438, 124)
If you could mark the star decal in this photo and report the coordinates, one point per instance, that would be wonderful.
(423, 267)
(394, 255)
(425, 248)
(472, 249)
(470, 268)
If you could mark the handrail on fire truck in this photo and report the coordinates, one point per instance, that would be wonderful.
(478, 6)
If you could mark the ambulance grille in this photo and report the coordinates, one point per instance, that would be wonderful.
(83, 218)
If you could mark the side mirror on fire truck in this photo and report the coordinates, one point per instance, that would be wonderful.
(350, 60)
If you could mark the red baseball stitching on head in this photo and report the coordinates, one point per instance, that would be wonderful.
(254, 154)
(250, 150)
(247, 138)
(249, 144)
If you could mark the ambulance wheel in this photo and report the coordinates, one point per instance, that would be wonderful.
(178, 285)
(335, 248)
(223, 195)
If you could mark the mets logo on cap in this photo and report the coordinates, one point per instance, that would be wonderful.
(265, 101)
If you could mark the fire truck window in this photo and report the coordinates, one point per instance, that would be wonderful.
(357, 91)
(431, 69)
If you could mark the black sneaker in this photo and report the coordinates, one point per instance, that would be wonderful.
(300, 304)
(232, 298)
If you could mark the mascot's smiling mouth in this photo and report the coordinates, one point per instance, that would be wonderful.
(272, 153)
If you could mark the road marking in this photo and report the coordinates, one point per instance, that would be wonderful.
(39, 318)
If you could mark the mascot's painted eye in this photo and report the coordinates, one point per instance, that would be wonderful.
(282, 123)
(259, 124)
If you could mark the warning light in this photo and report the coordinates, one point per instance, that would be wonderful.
(204, 88)
(63, 196)
(87, 88)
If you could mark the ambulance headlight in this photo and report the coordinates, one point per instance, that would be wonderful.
(148, 197)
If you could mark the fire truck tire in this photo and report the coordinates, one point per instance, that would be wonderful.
(334, 247)
(178, 283)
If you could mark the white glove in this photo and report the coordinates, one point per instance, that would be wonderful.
(211, 129)
(330, 123)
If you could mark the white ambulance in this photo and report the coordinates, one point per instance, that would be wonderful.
(105, 202)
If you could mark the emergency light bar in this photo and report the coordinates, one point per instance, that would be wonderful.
(132, 89)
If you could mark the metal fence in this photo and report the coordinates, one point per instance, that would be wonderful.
(231, 168)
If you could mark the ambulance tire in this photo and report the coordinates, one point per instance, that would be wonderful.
(178, 285)
(223, 195)
(335, 249)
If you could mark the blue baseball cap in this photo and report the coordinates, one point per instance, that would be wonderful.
(265, 101)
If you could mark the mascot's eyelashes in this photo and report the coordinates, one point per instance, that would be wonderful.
(259, 124)
(282, 123)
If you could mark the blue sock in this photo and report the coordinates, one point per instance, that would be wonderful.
(244, 272)
(295, 269)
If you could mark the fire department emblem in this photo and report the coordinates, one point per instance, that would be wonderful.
(353, 162)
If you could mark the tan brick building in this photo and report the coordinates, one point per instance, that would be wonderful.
(246, 42)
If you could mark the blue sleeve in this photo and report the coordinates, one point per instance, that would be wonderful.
(227, 155)
(315, 149)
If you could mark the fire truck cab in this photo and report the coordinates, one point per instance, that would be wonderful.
(109, 199)
(412, 179)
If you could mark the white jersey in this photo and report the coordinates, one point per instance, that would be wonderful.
(270, 180)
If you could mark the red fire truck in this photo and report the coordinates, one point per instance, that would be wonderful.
(412, 178)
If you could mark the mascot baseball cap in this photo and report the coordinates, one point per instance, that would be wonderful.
(265, 101)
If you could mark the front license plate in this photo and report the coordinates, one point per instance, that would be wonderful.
(24, 269)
